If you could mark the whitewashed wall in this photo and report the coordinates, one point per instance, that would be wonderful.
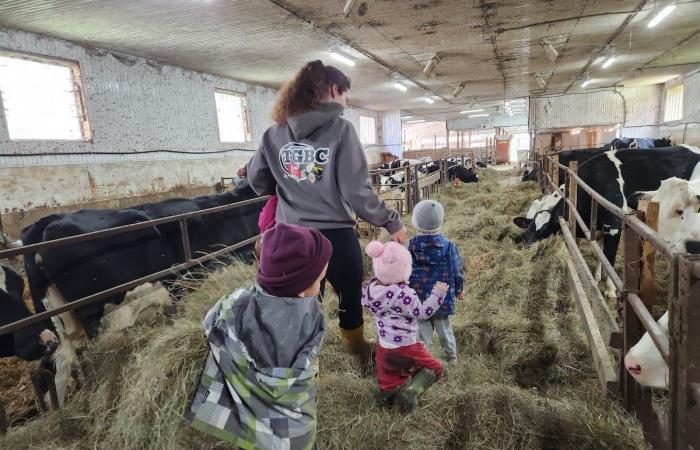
(133, 105)
(391, 132)
(687, 130)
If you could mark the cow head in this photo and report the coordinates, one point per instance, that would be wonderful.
(679, 204)
(541, 220)
(389, 182)
(645, 363)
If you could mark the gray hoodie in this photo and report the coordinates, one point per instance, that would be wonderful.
(317, 167)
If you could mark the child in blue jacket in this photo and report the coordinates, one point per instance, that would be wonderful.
(435, 258)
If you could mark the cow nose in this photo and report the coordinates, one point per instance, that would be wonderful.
(632, 365)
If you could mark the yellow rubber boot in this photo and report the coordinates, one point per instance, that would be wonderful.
(357, 344)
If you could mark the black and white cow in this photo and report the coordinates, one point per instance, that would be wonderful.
(64, 274)
(531, 174)
(638, 143)
(465, 175)
(616, 175)
(29, 343)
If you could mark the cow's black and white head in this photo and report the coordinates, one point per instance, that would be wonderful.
(389, 182)
(541, 220)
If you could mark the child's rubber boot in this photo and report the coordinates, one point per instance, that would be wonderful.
(407, 395)
(364, 350)
(386, 399)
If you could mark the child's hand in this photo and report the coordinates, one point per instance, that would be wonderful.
(460, 296)
(441, 288)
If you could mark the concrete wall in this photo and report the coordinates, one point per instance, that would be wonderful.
(687, 130)
(133, 105)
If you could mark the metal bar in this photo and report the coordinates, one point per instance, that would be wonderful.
(36, 318)
(122, 229)
(659, 337)
(185, 235)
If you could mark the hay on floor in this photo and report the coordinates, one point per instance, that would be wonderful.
(523, 378)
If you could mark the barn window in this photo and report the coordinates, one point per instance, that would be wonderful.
(42, 98)
(232, 114)
(674, 103)
(368, 130)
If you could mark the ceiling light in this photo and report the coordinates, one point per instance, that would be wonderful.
(661, 16)
(478, 115)
(400, 87)
(343, 58)
(541, 80)
(406, 117)
(585, 83)
(416, 121)
(458, 90)
(471, 111)
(551, 52)
(428, 100)
(608, 62)
(576, 131)
(432, 64)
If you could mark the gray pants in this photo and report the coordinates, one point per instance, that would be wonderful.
(443, 328)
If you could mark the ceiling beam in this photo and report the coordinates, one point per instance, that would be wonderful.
(680, 44)
(610, 40)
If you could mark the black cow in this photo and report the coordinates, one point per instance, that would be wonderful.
(616, 175)
(89, 267)
(580, 156)
(31, 342)
(463, 174)
(639, 143)
(531, 175)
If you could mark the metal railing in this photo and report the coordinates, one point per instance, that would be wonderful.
(675, 428)
(188, 262)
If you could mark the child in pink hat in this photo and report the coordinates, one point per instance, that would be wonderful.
(405, 368)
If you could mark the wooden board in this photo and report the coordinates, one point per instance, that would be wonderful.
(607, 374)
(428, 180)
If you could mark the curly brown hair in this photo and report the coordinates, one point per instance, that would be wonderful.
(307, 89)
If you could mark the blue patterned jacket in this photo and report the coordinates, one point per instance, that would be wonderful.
(436, 258)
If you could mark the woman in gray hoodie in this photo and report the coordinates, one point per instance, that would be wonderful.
(312, 159)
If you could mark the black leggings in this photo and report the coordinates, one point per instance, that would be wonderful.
(345, 273)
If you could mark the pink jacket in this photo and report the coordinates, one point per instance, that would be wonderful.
(396, 309)
(267, 215)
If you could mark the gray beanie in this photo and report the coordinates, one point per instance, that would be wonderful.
(428, 216)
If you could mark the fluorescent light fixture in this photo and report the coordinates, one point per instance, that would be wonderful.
(551, 52)
(400, 87)
(458, 90)
(585, 83)
(576, 131)
(541, 81)
(428, 100)
(471, 111)
(416, 121)
(608, 62)
(478, 115)
(406, 117)
(661, 16)
(430, 67)
(338, 56)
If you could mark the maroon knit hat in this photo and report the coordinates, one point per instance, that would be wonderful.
(292, 257)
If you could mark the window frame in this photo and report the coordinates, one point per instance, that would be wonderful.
(80, 99)
(679, 87)
(246, 121)
(374, 130)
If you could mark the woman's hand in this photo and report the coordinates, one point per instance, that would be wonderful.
(460, 296)
(400, 236)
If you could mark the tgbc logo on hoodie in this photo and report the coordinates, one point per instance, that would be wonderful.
(303, 162)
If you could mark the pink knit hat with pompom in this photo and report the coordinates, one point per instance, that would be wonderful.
(391, 262)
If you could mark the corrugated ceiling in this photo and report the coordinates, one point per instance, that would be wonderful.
(493, 47)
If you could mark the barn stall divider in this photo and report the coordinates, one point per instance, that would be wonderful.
(188, 262)
(674, 424)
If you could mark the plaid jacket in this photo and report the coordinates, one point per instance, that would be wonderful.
(258, 388)
(436, 258)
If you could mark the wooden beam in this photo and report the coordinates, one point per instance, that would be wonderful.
(607, 374)
(647, 287)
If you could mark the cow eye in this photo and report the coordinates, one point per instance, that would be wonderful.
(679, 212)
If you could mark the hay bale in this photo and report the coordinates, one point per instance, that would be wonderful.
(523, 378)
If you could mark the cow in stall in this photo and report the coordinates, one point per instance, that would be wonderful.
(616, 175)
(465, 175)
(64, 274)
(638, 143)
